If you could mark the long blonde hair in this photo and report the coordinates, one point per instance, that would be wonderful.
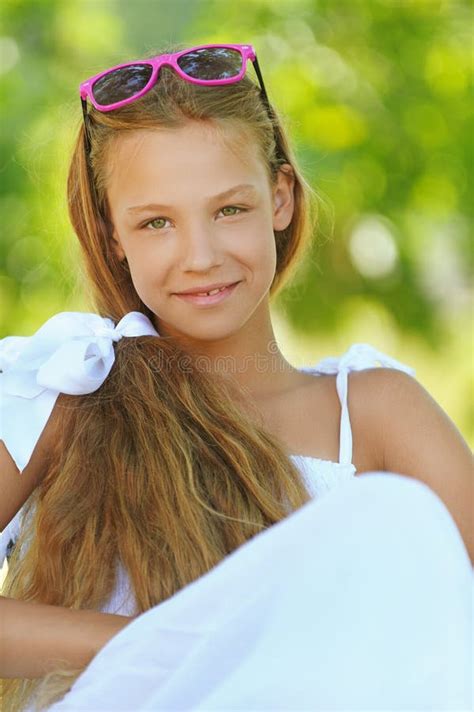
(165, 470)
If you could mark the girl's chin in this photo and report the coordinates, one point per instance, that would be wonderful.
(202, 328)
(210, 333)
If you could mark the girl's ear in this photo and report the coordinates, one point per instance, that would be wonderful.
(117, 247)
(283, 198)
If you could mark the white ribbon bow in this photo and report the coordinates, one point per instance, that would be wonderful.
(73, 352)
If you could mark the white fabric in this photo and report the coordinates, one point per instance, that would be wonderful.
(360, 600)
(71, 353)
(321, 476)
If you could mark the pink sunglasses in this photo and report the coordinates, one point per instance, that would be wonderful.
(211, 65)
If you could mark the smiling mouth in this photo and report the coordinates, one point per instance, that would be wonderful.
(207, 293)
(214, 296)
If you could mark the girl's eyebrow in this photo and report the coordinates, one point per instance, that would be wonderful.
(242, 188)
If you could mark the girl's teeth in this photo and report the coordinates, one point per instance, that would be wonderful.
(208, 294)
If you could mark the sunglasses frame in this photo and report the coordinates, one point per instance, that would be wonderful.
(246, 51)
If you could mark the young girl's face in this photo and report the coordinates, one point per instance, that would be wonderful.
(187, 237)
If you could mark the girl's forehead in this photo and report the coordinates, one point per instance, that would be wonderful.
(201, 136)
(179, 156)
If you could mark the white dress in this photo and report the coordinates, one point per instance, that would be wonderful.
(361, 600)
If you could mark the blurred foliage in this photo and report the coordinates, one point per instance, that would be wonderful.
(376, 97)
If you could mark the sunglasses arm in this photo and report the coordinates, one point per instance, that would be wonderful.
(262, 86)
(86, 126)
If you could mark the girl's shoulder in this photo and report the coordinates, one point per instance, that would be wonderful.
(355, 384)
(332, 412)
(361, 376)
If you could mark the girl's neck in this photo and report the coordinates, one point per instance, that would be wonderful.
(250, 356)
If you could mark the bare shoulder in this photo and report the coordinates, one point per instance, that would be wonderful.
(322, 411)
(16, 487)
(403, 416)
(377, 397)
(364, 396)
(409, 420)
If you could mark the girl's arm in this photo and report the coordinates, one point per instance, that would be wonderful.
(36, 638)
(15, 486)
(419, 440)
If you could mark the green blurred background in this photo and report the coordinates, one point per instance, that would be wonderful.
(376, 97)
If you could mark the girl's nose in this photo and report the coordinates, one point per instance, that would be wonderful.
(200, 250)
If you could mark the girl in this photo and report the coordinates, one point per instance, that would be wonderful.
(164, 439)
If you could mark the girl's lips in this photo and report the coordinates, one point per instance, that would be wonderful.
(211, 300)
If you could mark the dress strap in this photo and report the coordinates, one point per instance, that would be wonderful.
(356, 358)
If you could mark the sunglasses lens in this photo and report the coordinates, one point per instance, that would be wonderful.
(211, 63)
(121, 83)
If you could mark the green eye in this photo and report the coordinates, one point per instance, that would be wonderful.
(154, 221)
(231, 207)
